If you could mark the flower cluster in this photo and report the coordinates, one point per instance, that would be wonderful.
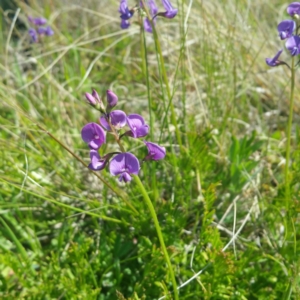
(287, 30)
(127, 13)
(122, 164)
(40, 29)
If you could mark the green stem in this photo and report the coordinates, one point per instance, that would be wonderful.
(164, 75)
(146, 72)
(150, 105)
(159, 233)
(288, 142)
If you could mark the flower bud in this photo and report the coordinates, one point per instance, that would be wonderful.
(112, 99)
(91, 100)
(96, 96)
(95, 101)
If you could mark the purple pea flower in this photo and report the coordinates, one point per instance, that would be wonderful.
(97, 163)
(125, 24)
(155, 152)
(137, 126)
(45, 31)
(112, 99)
(273, 62)
(170, 11)
(126, 14)
(286, 28)
(294, 9)
(153, 13)
(293, 45)
(124, 164)
(33, 34)
(117, 119)
(37, 21)
(93, 135)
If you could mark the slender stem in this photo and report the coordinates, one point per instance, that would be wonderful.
(159, 233)
(116, 135)
(144, 55)
(164, 75)
(289, 131)
(146, 72)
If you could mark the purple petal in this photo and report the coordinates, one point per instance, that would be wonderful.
(170, 11)
(124, 24)
(147, 25)
(117, 118)
(135, 122)
(124, 164)
(142, 131)
(155, 151)
(286, 28)
(153, 7)
(90, 98)
(293, 45)
(125, 177)
(97, 163)
(273, 62)
(112, 99)
(293, 8)
(49, 31)
(37, 21)
(96, 96)
(126, 14)
(93, 135)
(104, 123)
(45, 30)
(33, 34)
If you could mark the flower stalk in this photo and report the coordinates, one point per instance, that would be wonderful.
(289, 132)
(159, 233)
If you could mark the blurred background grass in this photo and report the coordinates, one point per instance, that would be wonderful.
(66, 235)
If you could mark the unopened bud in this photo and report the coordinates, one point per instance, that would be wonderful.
(91, 99)
(112, 99)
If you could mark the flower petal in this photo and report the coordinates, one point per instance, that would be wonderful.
(124, 163)
(293, 45)
(93, 135)
(155, 151)
(97, 163)
(273, 62)
(286, 28)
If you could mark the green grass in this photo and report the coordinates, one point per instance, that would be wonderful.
(219, 194)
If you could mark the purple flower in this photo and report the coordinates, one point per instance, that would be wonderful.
(293, 45)
(170, 11)
(155, 152)
(125, 24)
(294, 9)
(112, 99)
(137, 126)
(37, 21)
(153, 12)
(286, 28)
(93, 135)
(126, 14)
(97, 163)
(124, 164)
(273, 62)
(33, 34)
(117, 119)
(45, 31)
